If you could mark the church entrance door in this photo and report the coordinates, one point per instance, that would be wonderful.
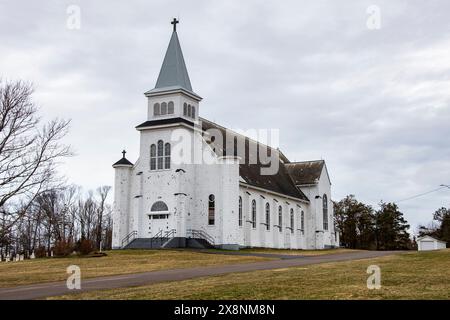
(158, 223)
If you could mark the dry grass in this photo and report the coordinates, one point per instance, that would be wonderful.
(298, 252)
(117, 262)
(415, 275)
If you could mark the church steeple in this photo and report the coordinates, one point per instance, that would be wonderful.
(173, 96)
(173, 74)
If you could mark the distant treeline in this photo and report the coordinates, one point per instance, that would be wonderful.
(362, 227)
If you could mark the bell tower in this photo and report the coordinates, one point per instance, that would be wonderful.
(173, 96)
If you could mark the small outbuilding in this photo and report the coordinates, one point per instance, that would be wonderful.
(426, 243)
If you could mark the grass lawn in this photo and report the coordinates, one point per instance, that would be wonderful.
(414, 275)
(117, 262)
(297, 252)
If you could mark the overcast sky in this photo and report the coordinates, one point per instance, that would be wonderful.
(374, 103)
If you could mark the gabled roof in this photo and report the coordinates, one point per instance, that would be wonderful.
(429, 238)
(173, 73)
(123, 162)
(306, 172)
(251, 173)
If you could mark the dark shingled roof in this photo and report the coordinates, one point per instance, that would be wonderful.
(307, 172)
(251, 173)
(159, 122)
(123, 161)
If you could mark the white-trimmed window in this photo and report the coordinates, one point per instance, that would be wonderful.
(267, 216)
(254, 214)
(325, 212)
(292, 220)
(211, 209)
(302, 221)
(153, 157)
(280, 218)
(156, 109)
(163, 108)
(170, 107)
(240, 212)
(160, 155)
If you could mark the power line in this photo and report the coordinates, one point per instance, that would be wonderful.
(425, 193)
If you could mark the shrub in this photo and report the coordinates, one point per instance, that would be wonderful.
(63, 248)
(86, 246)
(40, 252)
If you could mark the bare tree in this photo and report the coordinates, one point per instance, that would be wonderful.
(29, 152)
(103, 194)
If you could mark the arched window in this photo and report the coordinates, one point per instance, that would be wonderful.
(240, 212)
(163, 108)
(267, 216)
(160, 154)
(280, 218)
(167, 156)
(193, 112)
(170, 108)
(156, 109)
(302, 221)
(292, 220)
(325, 212)
(185, 108)
(254, 214)
(153, 157)
(189, 111)
(211, 209)
(159, 206)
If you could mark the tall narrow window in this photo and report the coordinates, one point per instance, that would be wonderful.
(302, 221)
(189, 110)
(170, 108)
(163, 108)
(185, 109)
(211, 209)
(240, 212)
(267, 216)
(280, 218)
(156, 109)
(254, 214)
(292, 220)
(160, 154)
(153, 157)
(193, 112)
(167, 156)
(325, 212)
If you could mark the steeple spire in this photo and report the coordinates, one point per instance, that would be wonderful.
(173, 71)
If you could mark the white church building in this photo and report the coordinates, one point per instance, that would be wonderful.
(198, 184)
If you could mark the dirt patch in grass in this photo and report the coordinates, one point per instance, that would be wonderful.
(415, 275)
(116, 262)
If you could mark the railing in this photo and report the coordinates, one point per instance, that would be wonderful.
(130, 237)
(200, 234)
(158, 236)
(170, 233)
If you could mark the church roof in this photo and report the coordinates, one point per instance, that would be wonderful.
(251, 173)
(305, 172)
(173, 73)
(123, 161)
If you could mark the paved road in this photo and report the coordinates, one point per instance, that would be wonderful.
(43, 290)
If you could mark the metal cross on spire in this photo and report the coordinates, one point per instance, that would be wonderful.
(123, 152)
(174, 22)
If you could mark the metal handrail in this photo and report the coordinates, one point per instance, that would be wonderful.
(129, 237)
(159, 235)
(201, 234)
(171, 233)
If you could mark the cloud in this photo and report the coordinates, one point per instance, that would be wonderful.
(373, 103)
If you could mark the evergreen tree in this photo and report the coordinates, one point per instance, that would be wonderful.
(391, 228)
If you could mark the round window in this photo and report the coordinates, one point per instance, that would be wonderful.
(211, 197)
